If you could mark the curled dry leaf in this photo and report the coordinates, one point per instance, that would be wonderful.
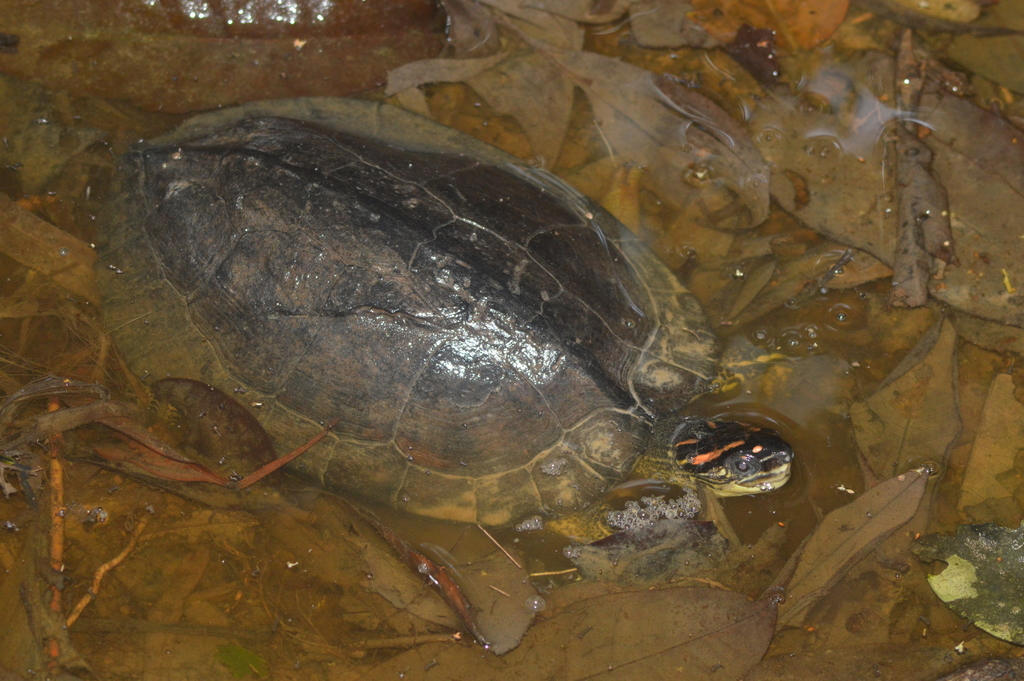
(845, 536)
(913, 417)
(922, 208)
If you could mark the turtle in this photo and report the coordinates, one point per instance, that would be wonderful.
(488, 343)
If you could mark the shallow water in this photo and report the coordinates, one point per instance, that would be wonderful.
(291, 577)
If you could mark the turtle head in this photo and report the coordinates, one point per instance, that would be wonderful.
(731, 458)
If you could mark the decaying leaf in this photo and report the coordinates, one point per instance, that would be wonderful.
(693, 149)
(922, 208)
(979, 159)
(39, 139)
(471, 29)
(845, 536)
(984, 576)
(216, 425)
(960, 11)
(671, 549)
(667, 24)
(913, 417)
(700, 633)
(991, 481)
(535, 21)
(697, 157)
(827, 160)
(890, 662)
(995, 58)
(834, 154)
(50, 251)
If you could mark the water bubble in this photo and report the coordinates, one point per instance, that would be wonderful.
(535, 603)
(534, 522)
(423, 568)
(554, 467)
(63, 252)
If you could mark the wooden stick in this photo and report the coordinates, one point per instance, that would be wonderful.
(507, 554)
(107, 567)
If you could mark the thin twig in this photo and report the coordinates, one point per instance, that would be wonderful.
(499, 591)
(107, 567)
(56, 509)
(554, 573)
(507, 554)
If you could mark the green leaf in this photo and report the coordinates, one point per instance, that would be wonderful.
(242, 662)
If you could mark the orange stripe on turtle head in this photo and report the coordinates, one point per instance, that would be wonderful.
(711, 456)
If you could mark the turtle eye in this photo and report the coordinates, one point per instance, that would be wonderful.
(745, 464)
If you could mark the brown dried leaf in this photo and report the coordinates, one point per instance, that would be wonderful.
(844, 537)
(654, 121)
(990, 475)
(585, 11)
(913, 417)
(979, 159)
(888, 662)
(216, 425)
(50, 251)
(40, 133)
(828, 160)
(416, 73)
(667, 24)
(523, 85)
(699, 633)
(471, 29)
(536, 93)
(537, 22)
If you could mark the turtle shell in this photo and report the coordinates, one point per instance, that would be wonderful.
(488, 342)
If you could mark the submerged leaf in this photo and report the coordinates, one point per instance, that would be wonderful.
(913, 417)
(699, 633)
(698, 157)
(990, 477)
(984, 577)
(670, 549)
(667, 23)
(845, 536)
(241, 661)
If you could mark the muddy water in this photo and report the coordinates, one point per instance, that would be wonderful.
(294, 584)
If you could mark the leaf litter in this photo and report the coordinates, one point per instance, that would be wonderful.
(800, 198)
